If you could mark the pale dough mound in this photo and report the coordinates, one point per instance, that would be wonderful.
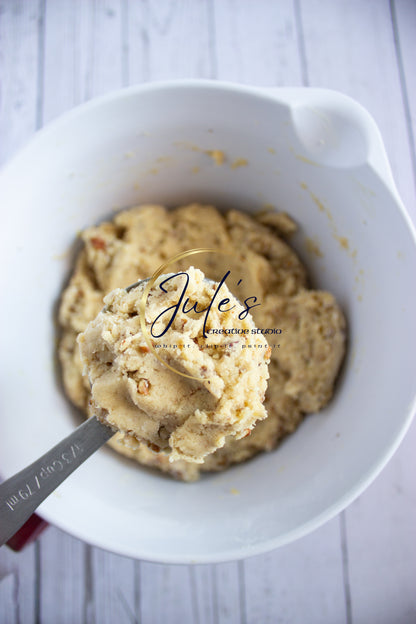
(219, 381)
(138, 241)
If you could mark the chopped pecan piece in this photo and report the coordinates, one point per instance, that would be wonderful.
(143, 386)
(98, 243)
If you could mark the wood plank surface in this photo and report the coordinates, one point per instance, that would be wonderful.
(54, 54)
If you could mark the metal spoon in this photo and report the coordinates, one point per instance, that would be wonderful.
(25, 491)
(22, 494)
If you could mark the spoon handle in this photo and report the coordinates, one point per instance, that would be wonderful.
(25, 491)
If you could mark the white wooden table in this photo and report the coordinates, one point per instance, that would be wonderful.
(359, 568)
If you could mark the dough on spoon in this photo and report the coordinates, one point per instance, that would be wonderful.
(185, 392)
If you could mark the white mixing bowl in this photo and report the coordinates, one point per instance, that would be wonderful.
(313, 153)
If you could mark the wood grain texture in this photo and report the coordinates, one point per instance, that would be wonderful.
(61, 582)
(304, 578)
(17, 586)
(403, 13)
(169, 40)
(113, 582)
(19, 26)
(253, 50)
(54, 54)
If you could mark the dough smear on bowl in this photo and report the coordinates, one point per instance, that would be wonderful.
(305, 357)
(194, 374)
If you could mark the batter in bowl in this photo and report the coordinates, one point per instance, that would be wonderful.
(305, 357)
(180, 375)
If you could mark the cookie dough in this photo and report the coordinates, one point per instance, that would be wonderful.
(138, 241)
(200, 376)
